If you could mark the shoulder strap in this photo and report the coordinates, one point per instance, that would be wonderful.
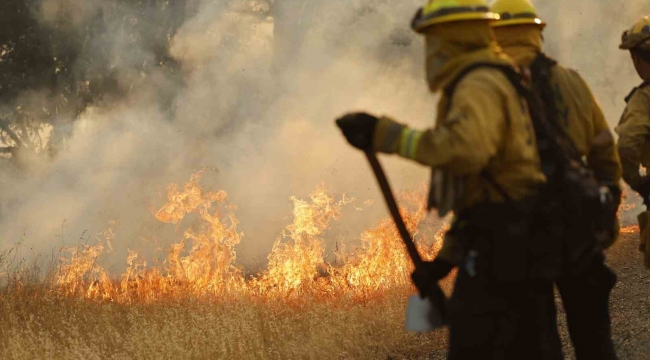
(629, 97)
(487, 176)
(507, 70)
(544, 62)
(544, 100)
(516, 80)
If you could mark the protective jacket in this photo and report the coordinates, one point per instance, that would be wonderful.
(581, 115)
(634, 147)
(634, 135)
(484, 127)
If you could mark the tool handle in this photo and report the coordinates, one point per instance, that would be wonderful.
(435, 293)
(393, 208)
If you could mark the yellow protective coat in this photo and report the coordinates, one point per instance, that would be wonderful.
(487, 127)
(583, 119)
(634, 135)
(634, 147)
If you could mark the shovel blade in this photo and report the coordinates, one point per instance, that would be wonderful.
(422, 315)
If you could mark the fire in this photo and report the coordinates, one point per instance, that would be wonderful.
(203, 263)
(630, 229)
(293, 264)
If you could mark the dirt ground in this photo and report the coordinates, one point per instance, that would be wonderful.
(630, 302)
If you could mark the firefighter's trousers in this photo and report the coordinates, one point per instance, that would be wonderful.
(585, 297)
(506, 322)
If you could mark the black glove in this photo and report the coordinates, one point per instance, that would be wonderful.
(359, 129)
(429, 274)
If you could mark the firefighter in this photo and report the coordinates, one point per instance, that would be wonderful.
(585, 293)
(486, 169)
(634, 127)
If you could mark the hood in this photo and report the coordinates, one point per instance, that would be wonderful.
(452, 47)
(521, 42)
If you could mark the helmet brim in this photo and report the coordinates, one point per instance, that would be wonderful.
(633, 41)
(420, 25)
(521, 21)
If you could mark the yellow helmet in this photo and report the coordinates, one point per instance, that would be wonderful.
(443, 11)
(637, 36)
(516, 12)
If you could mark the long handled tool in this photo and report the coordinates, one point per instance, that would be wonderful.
(423, 313)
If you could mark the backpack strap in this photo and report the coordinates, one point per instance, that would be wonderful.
(544, 97)
(487, 176)
(517, 81)
(512, 75)
(629, 97)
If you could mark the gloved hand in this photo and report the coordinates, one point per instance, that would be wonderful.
(430, 273)
(359, 129)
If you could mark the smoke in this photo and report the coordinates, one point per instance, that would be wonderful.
(251, 98)
(586, 36)
(262, 124)
(70, 14)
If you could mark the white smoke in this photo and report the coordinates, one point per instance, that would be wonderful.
(585, 35)
(266, 133)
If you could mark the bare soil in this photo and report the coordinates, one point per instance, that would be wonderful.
(630, 301)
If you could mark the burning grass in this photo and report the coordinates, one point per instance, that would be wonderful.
(198, 304)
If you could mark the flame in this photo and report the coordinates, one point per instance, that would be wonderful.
(203, 263)
(630, 229)
(294, 264)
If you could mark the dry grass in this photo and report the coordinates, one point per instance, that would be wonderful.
(51, 328)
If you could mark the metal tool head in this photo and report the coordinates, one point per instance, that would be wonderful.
(422, 315)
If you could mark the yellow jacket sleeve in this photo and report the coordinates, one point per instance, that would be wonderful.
(467, 139)
(603, 156)
(634, 131)
(584, 121)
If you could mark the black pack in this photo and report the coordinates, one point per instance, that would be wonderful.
(573, 191)
(570, 200)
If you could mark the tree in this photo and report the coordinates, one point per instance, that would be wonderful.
(50, 70)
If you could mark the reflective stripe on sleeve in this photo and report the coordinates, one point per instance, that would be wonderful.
(409, 143)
